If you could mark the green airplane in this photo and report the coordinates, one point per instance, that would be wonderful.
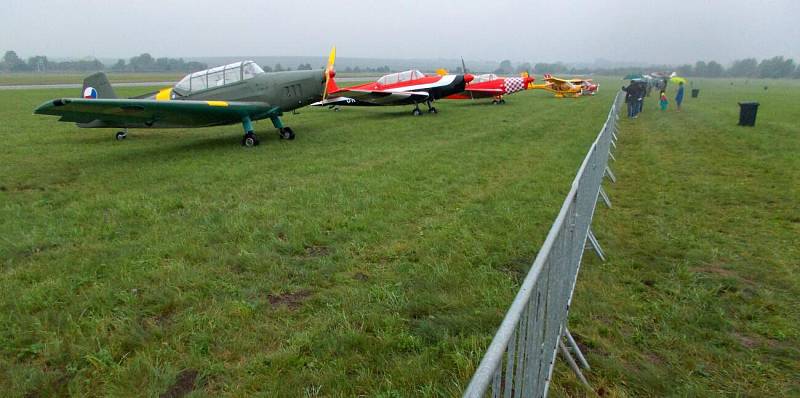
(240, 92)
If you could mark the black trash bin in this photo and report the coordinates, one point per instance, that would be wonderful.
(695, 92)
(747, 113)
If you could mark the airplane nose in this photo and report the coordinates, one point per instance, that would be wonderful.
(468, 77)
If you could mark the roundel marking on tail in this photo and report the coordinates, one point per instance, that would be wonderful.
(89, 92)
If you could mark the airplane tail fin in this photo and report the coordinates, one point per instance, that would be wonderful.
(98, 86)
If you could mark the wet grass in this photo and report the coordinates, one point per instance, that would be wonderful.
(700, 296)
(375, 254)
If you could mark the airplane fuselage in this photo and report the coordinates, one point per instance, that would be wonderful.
(285, 90)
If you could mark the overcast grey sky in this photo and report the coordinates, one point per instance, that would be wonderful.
(677, 31)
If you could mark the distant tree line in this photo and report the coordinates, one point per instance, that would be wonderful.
(146, 63)
(775, 67)
(11, 62)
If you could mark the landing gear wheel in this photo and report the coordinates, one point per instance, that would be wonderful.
(121, 135)
(416, 112)
(286, 133)
(502, 101)
(432, 110)
(250, 140)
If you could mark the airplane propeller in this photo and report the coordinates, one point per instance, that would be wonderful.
(464, 71)
(329, 72)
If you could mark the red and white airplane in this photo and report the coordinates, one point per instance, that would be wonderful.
(402, 88)
(490, 85)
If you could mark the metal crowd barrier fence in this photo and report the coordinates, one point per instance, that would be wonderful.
(519, 361)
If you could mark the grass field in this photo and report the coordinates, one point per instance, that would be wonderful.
(701, 293)
(377, 253)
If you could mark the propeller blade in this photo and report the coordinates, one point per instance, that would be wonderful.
(464, 71)
(328, 72)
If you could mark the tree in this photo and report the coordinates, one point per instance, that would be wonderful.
(524, 67)
(278, 68)
(505, 68)
(119, 66)
(11, 58)
(38, 63)
(684, 70)
(747, 67)
(543, 67)
(699, 68)
(776, 68)
(714, 69)
(12, 62)
(266, 68)
(142, 63)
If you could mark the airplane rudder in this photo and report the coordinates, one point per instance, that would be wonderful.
(97, 86)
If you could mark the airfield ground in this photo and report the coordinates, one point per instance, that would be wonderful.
(377, 253)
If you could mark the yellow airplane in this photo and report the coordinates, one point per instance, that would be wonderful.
(562, 88)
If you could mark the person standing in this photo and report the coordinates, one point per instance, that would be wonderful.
(629, 100)
(642, 94)
(663, 101)
(679, 96)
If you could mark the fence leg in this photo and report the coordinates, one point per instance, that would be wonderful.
(610, 174)
(575, 349)
(572, 363)
(611, 155)
(595, 245)
(603, 195)
(614, 137)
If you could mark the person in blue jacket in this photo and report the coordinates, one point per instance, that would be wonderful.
(679, 96)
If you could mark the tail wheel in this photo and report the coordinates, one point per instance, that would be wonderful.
(121, 135)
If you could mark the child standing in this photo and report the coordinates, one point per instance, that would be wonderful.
(663, 101)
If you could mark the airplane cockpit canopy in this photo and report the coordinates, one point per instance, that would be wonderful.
(484, 78)
(219, 76)
(401, 77)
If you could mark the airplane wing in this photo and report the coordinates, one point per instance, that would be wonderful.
(361, 97)
(555, 79)
(139, 113)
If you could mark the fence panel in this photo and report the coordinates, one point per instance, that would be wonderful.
(519, 361)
